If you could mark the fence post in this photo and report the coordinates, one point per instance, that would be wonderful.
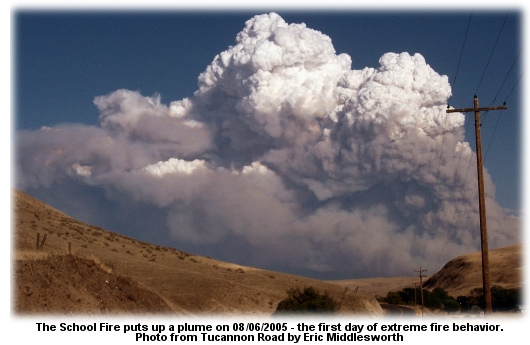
(43, 240)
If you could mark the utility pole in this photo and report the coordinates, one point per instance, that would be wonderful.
(421, 289)
(481, 199)
(415, 293)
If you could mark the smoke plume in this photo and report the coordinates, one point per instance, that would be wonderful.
(291, 156)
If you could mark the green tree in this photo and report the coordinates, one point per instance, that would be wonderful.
(504, 299)
(410, 295)
(431, 300)
(310, 300)
(501, 299)
(451, 305)
(440, 293)
(464, 303)
(393, 297)
(476, 297)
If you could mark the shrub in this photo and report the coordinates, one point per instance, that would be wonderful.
(310, 300)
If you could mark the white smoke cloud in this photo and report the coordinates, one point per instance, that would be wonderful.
(286, 150)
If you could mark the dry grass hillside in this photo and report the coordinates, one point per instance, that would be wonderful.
(84, 269)
(464, 273)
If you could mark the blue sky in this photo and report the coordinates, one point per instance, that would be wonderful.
(64, 59)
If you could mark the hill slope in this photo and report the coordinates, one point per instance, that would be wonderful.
(105, 272)
(464, 273)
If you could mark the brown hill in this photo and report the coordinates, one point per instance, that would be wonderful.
(464, 273)
(85, 269)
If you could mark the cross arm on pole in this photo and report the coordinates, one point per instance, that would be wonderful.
(465, 110)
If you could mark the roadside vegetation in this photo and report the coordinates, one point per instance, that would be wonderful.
(502, 299)
(310, 300)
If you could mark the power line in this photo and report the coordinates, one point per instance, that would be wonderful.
(513, 87)
(504, 81)
(462, 51)
(491, 140)
(498, 118)
(507, 74)
(492, 51)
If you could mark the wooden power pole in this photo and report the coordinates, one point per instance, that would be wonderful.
(481, 200)
(421, 288)
(415, 288)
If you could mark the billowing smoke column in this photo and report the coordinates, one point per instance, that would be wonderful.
(291, 156)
